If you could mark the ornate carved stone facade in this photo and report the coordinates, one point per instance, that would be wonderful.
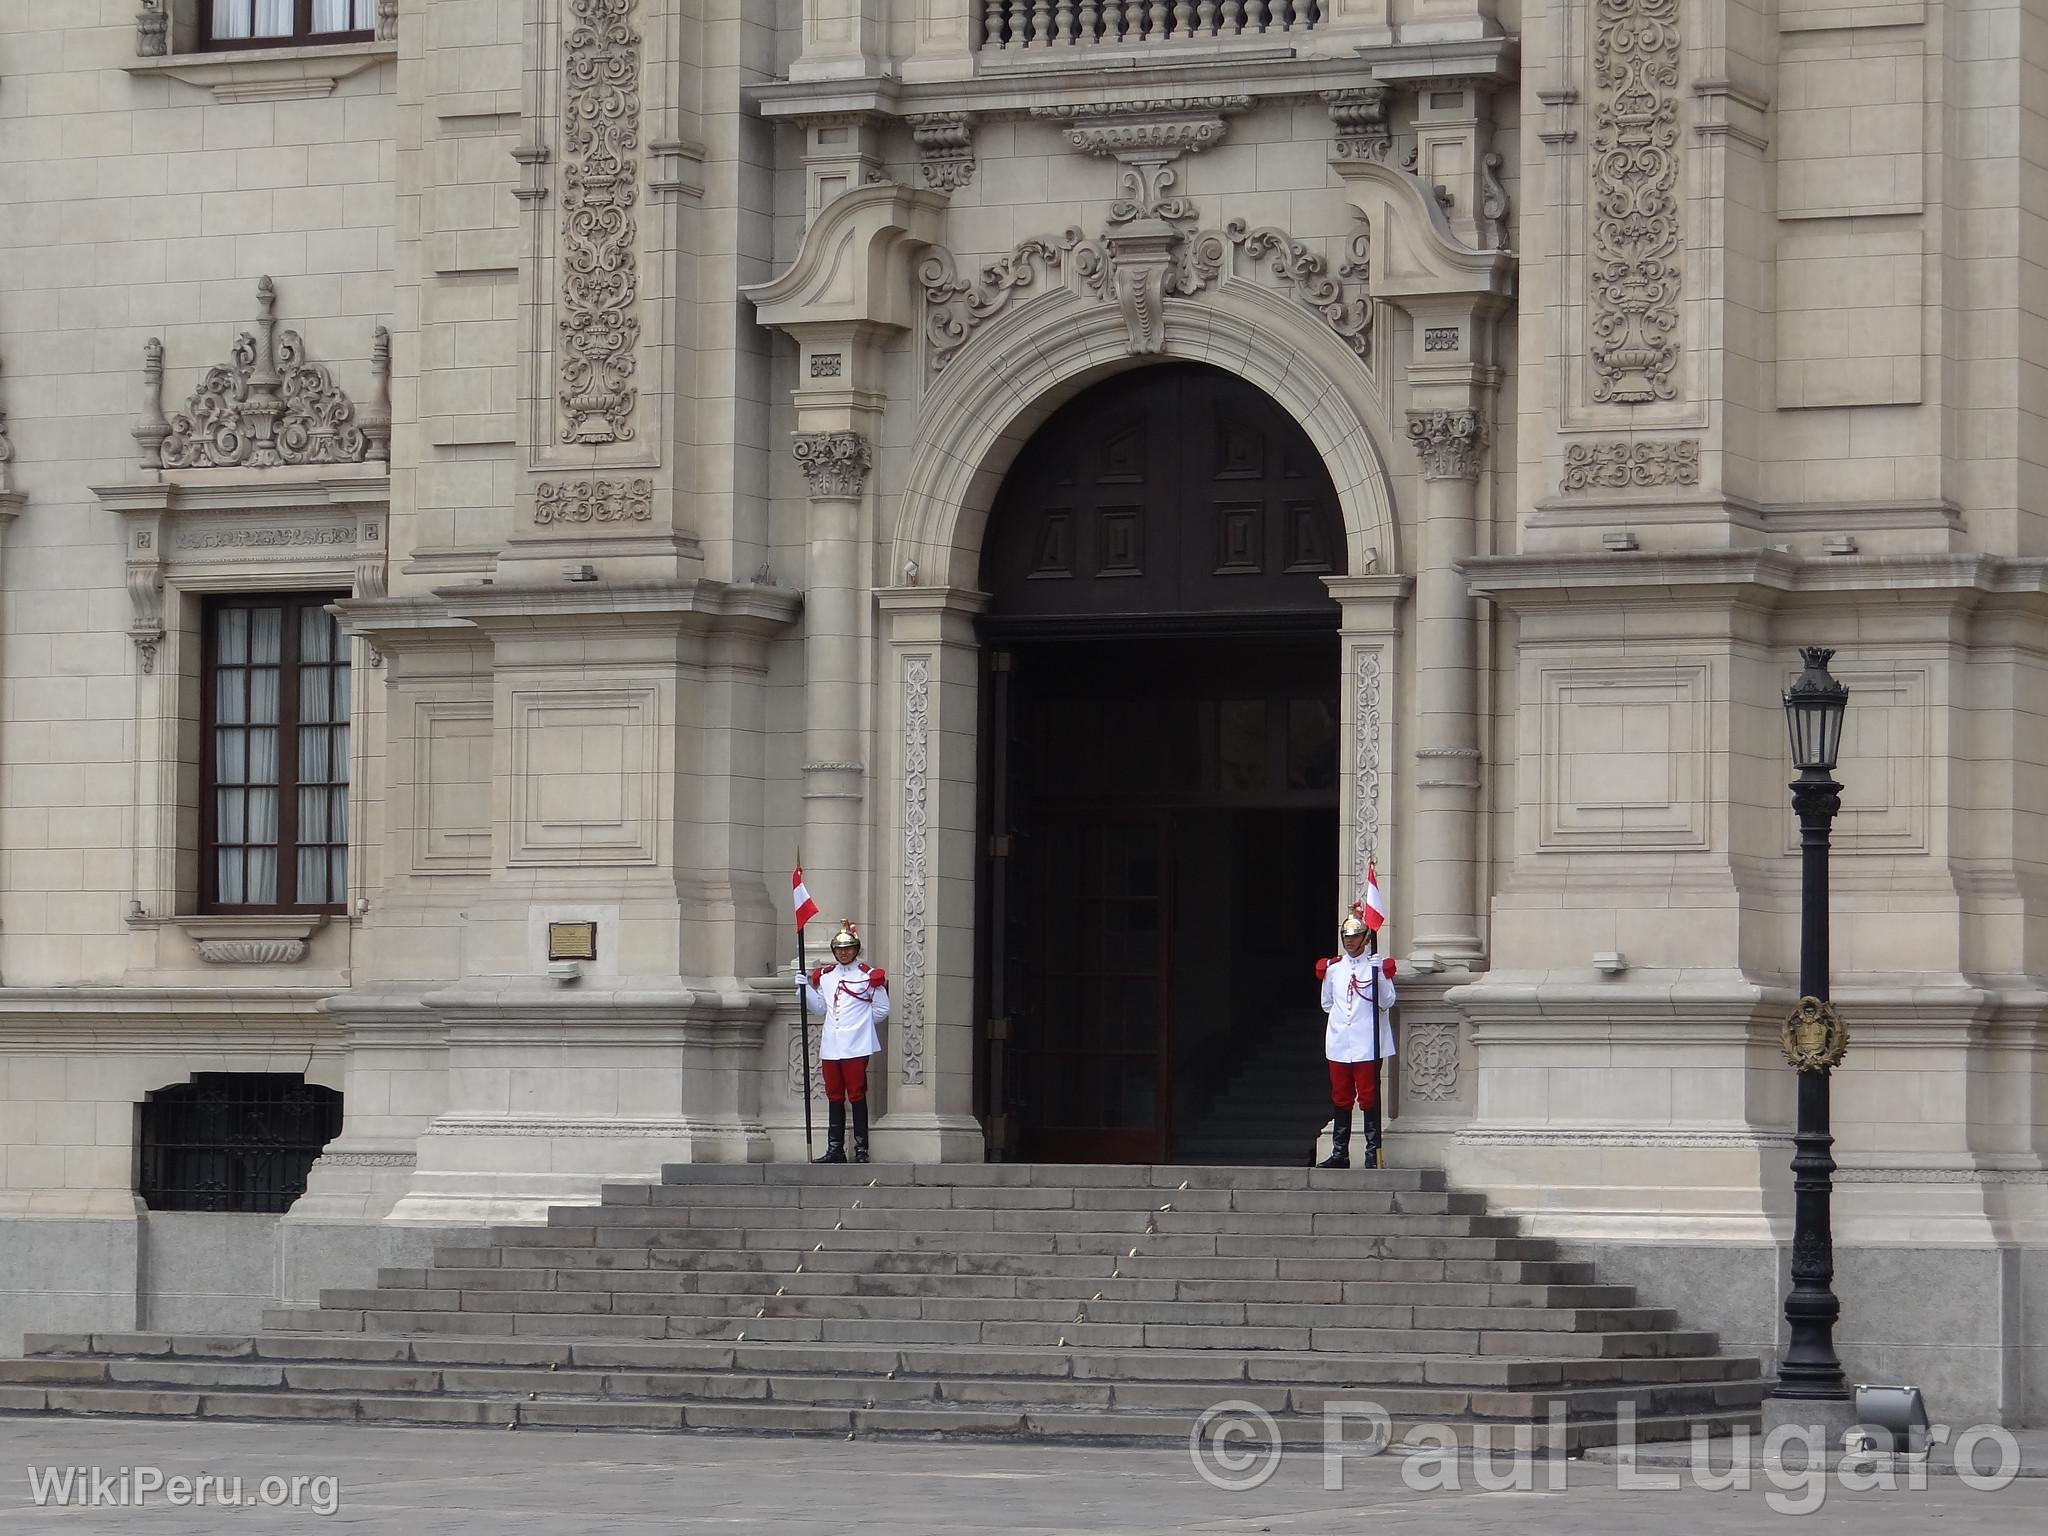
(1448, 443)
(1634, 205)
(600, 323)
(1631, 464)
(945, 148)
(563, 503)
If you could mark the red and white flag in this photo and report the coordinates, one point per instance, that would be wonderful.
(806, 909)
(1375, 901)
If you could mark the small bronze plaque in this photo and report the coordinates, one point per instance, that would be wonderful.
(572, 941)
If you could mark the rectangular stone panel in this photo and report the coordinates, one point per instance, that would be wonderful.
(583, 766)
(1624, 757)
(1849, 313)
(452, 826)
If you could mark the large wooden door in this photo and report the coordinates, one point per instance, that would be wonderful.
(1162, 664)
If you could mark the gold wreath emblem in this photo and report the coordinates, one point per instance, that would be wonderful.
(1815, 1038)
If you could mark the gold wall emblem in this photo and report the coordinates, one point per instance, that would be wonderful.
(1815, 1038)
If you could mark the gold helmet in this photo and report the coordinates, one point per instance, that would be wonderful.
(847, 934)
(1354, 922)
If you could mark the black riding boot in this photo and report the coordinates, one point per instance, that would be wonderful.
(1372, 1137)
(1340, 1141)
(860, 1130)
(835, 1135)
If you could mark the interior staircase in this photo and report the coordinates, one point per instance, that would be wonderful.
(1012, 1301)
(1271, 1106)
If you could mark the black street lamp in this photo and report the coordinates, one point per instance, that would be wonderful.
(1814, 1041)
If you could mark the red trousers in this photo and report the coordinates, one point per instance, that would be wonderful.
(1357, 1081)
(846, 1080)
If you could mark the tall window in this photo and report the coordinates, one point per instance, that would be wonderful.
(274, 816)
(280, 23)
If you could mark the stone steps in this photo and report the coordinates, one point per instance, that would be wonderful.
(1110, 1396)
(1091, 1304)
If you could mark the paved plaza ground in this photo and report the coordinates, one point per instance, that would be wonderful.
(484, 1483)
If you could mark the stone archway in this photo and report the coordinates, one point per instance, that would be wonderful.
(978, 416)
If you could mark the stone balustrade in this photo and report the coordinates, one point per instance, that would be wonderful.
(1012, 25)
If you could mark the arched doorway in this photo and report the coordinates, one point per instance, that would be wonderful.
(1159, 776)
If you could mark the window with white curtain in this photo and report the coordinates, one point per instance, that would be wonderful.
(277, 23)
(274, 813)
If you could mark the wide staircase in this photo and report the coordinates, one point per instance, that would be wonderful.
(1012, 1301)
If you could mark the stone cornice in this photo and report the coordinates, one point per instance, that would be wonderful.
(697, 605)
(250, 490)
(1564, 576)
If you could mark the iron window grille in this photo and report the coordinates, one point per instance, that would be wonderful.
(233, 1141)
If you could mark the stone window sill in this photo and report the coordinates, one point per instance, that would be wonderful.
(267, 939)
(268, 74)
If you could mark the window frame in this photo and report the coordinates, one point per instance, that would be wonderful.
(301, 35)
(294, 605)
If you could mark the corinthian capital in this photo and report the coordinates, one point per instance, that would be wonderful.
(1448, 442)
(835, 463)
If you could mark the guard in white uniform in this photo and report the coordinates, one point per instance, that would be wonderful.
(1358, 997)
(852, 997)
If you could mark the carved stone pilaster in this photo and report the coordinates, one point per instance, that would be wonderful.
(834, 463)
(945, 148)
(1359, 120)
(600, 325)
(1633, 264)
(1448, 442)
(152, 31)
(151, 428)
(145, 576)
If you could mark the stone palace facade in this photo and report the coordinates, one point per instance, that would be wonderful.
(487, 484)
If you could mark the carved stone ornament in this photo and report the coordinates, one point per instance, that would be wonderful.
(269, 405)
(387, 21)
(1429, 1058)
(1493, 205)
(1359, 119)
(600, 325)
(559, 503)
(1631, 465)
(945, 148)
(252, 951)
(1815, 1039)
(1635, 237)
(917, 699)
(1368, 742)
(6, 457)
(1138, 271)
(152, 31)
(1448, 442)
(835, 463)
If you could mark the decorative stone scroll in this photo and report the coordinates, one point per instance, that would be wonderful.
(269, 405)
(599, 325)
(1448, 442)
(252, 951)
(387, 21)
(1630, 465)
(917, 699)
(1634, 195)
(945, 148)
(559, 503)
(835, 463)
(6, 457)
(1139, 273)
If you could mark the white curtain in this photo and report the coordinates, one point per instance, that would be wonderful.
(274, 18)
(255, 18)
(230, 19)
(343, 15)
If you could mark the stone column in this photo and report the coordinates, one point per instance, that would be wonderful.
(835, 466)
(930, 688)
(1445, 920)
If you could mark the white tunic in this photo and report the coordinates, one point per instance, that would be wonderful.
(1347, 999)
(851, 1008)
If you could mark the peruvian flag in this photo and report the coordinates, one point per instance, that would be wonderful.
(1375, 901)
(806, 909)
